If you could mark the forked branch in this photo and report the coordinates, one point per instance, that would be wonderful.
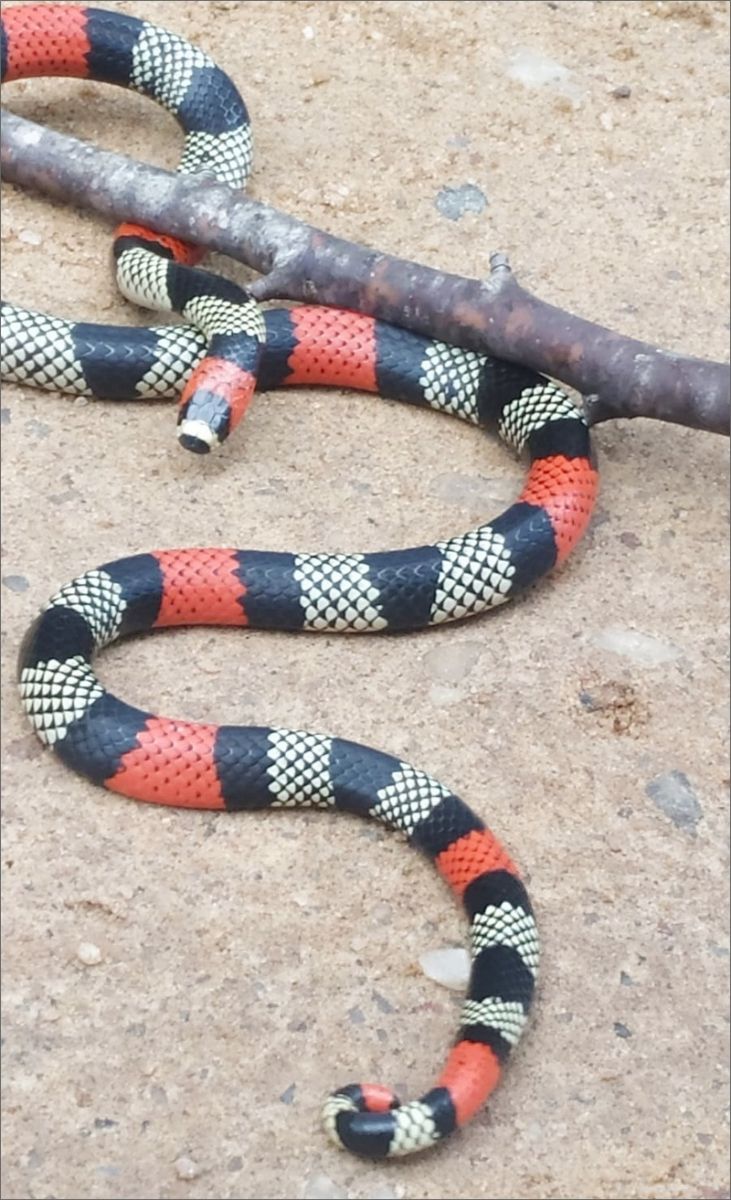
(617, 376)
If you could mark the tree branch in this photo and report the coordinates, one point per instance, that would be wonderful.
(618, 376)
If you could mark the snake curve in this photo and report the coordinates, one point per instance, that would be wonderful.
(228, 348)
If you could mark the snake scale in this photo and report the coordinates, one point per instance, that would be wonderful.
(226, 349)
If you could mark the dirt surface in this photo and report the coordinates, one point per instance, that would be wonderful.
(247, 965)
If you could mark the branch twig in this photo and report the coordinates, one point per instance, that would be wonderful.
(618, 376)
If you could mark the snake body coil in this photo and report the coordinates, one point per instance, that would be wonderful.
(228, 348)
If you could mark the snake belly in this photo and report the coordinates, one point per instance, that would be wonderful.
(228, 348)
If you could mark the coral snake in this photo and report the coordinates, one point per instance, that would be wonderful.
(227, 348)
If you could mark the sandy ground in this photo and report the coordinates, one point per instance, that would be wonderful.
(250, 964)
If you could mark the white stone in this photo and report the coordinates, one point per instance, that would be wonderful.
(89, 954)
(641, 648)
(449, 966)
(450, 663)
(322, 1187)
(186, 1168)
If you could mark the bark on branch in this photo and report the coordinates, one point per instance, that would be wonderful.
(617, 376)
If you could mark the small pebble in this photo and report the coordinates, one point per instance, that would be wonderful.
(186, 1168)
(622, 92)
(334, 197)
(639, 647)
(454, 202)
(287, 1095)
(39, 429)
(31, 237)
(89, 954)
(449, 966)
(606, 121)
(308, 33)
(15, 583)
(450, 663)
(442, 695)
(322, 1187)
(719, 951)
(621, 1030)
(536, 70)
(673, 794)
(108, 1171)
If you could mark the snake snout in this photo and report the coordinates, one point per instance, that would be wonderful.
(196, 436)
